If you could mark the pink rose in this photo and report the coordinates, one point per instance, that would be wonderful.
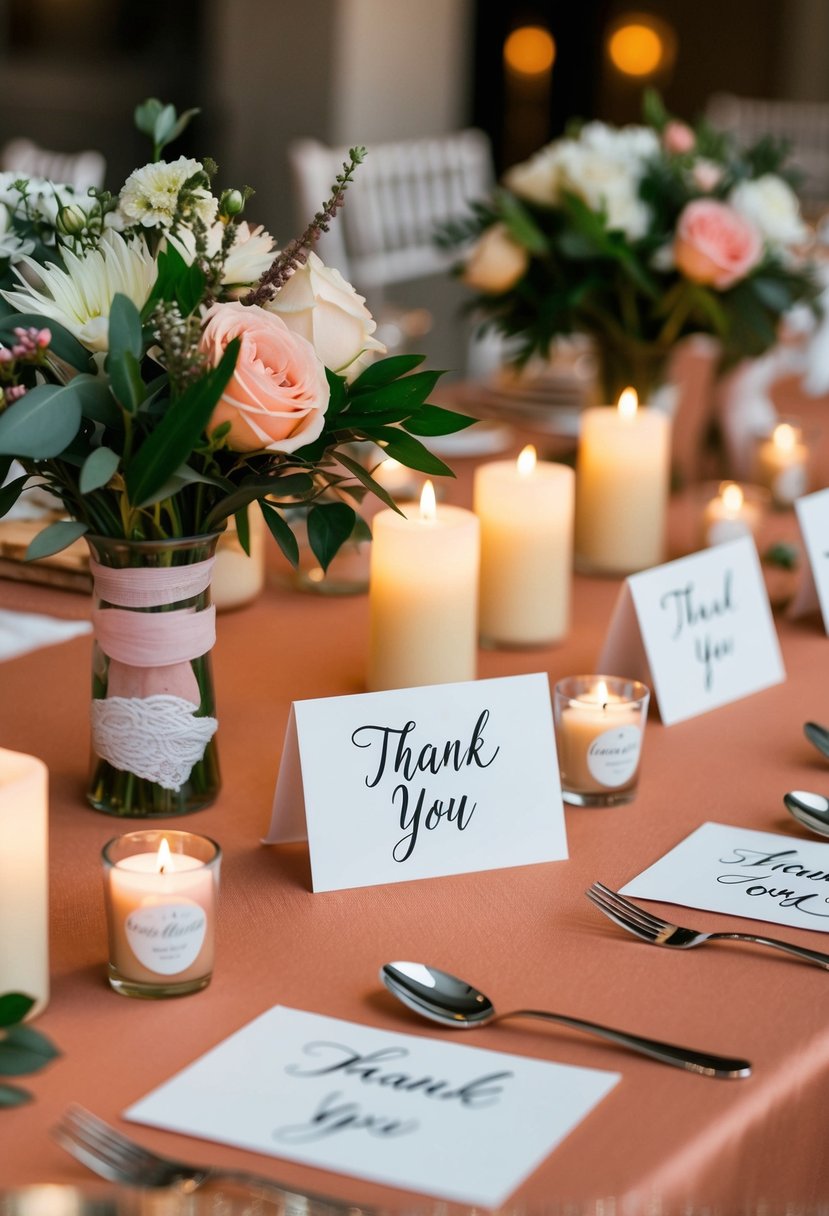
(278, 394)
(678, 138)
(715, 245)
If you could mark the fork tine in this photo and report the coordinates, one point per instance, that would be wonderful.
(621, 918)
(80, 1127)
(621, 904)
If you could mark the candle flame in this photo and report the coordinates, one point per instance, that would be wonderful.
(428, 506)
(732, 496)
(164, 860)
(784, 437)
(526, 461)
(600, 692)
(628, 403)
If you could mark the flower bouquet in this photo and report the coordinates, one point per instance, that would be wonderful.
(638, 236)
(163, 368)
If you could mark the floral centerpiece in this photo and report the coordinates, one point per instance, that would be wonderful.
(639, 236)
(163, 368)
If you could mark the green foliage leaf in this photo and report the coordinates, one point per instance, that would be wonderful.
(23, 1050)
(406, 394)
(243, 529)
(176, 283)
(653, 110)
(329, 526)
(383, 371)
(55, 537)
(125, 327)
(411, 452)
(365, 478)
(292, 485)
(63, 344)
(45, 421)
(337, 395)
(97, 469)
(433, 420)
(281, 532)
(521, 224)
(9, 495)
(14, 1006)
(146, 114)
(13, 1095)
(173, 440)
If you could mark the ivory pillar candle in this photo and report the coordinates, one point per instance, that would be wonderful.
(423, 592)
(781, 464)
(525, 510)
(600, 722)
(622, 483)
(24, 877)
(160, 892)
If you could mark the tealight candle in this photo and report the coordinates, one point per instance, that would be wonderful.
(160, 892)
(622, 482)
(526, 513)
(600, 723)
(24, 877)
(781, 464)
(734, 511)
(423, 591)
(238, 578)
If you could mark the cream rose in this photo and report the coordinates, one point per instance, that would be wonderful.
(496, 262)
(323, 307)
(278, 394)
(772, 205)
(715, 245)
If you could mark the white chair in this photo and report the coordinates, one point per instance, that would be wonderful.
(83, 170)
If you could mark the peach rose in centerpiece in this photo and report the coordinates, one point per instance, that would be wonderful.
(714, 245)
(277, 396)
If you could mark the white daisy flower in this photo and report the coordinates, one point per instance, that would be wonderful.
(80, 297)
(150, 195)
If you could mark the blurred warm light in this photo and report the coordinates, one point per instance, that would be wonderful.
(628, 403)
(784, 437)
(732, 497)
(530, 50)
(526, 461)
(641, 45)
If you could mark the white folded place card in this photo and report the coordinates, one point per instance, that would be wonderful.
(699, 630)
(760, 875)
(443, 1119)
(21, 632)
(813, 588)
(421, 782)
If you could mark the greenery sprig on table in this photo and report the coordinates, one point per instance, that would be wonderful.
(22, 1049)
(163, 367)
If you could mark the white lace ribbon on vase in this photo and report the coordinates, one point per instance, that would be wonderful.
(147, 723)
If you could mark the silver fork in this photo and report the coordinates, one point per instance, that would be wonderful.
(115, 1157)
(662, 933)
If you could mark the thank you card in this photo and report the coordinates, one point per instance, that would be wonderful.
(698, 630)
(421, 782)
(813, 589)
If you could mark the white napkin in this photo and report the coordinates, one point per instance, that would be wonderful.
(21, 632)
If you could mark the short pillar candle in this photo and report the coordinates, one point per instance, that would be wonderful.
(423, 594)
(160, 893)
(525, 508)
(622, 485)
(24, 877)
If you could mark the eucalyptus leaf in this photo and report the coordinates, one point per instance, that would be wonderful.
(14, 1006)
(98, 468)
(329, 526)
(55, 537)
(145, 115)
(9, 495)
(13, 1095)
(44, 422)
(23, 1051)
(281, 532)
(124, 327)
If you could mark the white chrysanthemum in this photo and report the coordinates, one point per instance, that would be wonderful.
(80, 297)
(250, 254)
(150, 195)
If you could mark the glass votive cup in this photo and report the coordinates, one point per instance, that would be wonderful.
(160, 892)
(781, 461)
(728, 510)
(600, 726)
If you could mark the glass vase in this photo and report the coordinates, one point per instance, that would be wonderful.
(153, 707)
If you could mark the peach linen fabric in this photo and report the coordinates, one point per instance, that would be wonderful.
(662, 1139)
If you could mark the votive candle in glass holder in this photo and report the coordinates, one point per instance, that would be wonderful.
(781, 462)
(729, 510)
(600, 725)
(160, 891)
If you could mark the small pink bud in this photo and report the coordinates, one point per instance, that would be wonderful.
(43, 338)
(678, 138)
(5, 355)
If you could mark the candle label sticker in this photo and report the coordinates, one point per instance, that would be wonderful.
(813, 589)
(421, 782)
(699, 630)
(613, 756)
(166, 938)
(742, 872)
(457, 1122)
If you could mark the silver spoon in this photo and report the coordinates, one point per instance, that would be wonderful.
(818, 736)
(812, 810)
(452, 1002)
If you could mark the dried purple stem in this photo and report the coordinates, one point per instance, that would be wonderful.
(296, 253)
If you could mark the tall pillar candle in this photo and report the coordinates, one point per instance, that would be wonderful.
(525, 510)
(622, 483)
(24, 877)
(423, 595)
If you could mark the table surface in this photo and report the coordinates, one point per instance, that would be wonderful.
(527, 936)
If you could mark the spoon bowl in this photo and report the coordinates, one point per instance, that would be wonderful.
(450, 1001)
(810, 810)
(818, 736)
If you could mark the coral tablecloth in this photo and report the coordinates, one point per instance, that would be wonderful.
(527, 936)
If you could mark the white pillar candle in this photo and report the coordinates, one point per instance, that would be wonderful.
(423, 593)
(24, 877)
(730, 515)
(782, 464)
(622, 483)
(525, 510)
(161, 912)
